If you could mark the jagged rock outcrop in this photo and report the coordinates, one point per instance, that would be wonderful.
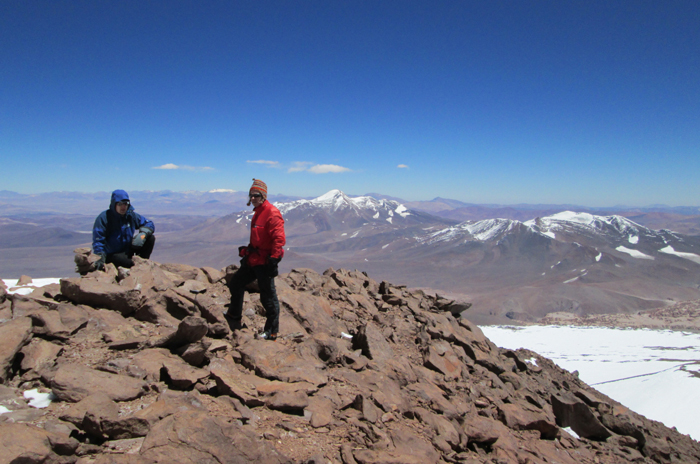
(143, 369)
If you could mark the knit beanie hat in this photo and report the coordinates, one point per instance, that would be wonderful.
(260, 187)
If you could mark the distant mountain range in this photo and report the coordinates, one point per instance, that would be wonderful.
(513, 268)
(683, 219)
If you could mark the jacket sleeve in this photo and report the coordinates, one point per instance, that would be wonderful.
(99, 235)
(277, 236)
(143, 222)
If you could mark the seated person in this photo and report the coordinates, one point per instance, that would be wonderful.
(120, 233)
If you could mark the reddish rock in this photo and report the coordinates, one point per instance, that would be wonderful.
(101, 295)
(14, 335)
(23, 443)
(195, 438)
(74, 382)
(39, 354)
(232, 380)
(373, 344)
(572, 412)
(98, 405)
(277, 362)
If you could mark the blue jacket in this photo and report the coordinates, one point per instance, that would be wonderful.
(112, 232)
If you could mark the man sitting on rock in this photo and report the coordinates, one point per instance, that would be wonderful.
(259, 261)
(120, 233)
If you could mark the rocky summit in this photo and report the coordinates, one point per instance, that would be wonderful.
(141, 368)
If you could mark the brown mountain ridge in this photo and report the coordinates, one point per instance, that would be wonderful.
(144, 370)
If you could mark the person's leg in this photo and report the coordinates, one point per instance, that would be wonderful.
(268, 298)
(239, 280)
(147, 248)
(120, 259)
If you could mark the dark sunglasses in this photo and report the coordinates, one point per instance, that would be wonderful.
(123, 203)
(255, 195)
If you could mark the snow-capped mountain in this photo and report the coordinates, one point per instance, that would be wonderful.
(342, 217)
(352, 211)
(480, 231)
(601, 233)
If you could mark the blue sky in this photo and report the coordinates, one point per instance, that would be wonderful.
(584, 102)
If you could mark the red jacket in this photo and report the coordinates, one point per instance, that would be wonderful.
(266, 235)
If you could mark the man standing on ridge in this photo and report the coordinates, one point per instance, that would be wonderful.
(120, 233)
(259, 261)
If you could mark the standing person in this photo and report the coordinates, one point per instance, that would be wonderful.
(120, 233)
(259, 261)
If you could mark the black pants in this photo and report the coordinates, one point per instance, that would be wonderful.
(123, 259)
(268, 295)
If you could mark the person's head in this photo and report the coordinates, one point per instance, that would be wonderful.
(120, 202)
(257, 193)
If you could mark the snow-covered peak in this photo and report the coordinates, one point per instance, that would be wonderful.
(335, 200)
(481, 231)
(581, 218)
(588, 223)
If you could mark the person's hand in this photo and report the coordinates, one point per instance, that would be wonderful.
(272, 269)
(242, 251)
(140, 237)
(100, 263)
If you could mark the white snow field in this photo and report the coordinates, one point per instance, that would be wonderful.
(655, 373)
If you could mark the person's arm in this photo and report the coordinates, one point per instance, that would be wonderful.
(99, 235)
(143, 222)
(99, 238)
(276, 227)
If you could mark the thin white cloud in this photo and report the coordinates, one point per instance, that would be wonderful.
(222, 191)
(402, 166)
(272, 164)
(299, 166)
(171, 166)
(307, 166)
(326, 168)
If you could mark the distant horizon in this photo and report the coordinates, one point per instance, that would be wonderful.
(486, 205)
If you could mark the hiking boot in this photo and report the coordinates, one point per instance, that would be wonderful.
(267, 336)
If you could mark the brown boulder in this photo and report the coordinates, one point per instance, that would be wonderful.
(195, 437)
(140, 422)
(98, 405)
(523, 416)
(373, 344)
(14, 335)
(39, 354)
(277, 361)
(74, 382)
(24, 306)
(407, 447)
(158, 364)
(233, 380)
(441, 357)
(22, 443)
(312, 312)
(101, 295)
(570, 411)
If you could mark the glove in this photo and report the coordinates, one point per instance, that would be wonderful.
(272, 263)
(242, 251)
(140, 237)
(100, 263)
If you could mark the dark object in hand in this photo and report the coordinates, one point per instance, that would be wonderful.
(272, 263)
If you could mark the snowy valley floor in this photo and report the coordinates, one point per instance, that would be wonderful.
(653, 372)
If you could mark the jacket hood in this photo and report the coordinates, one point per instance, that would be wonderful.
(117, 196)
